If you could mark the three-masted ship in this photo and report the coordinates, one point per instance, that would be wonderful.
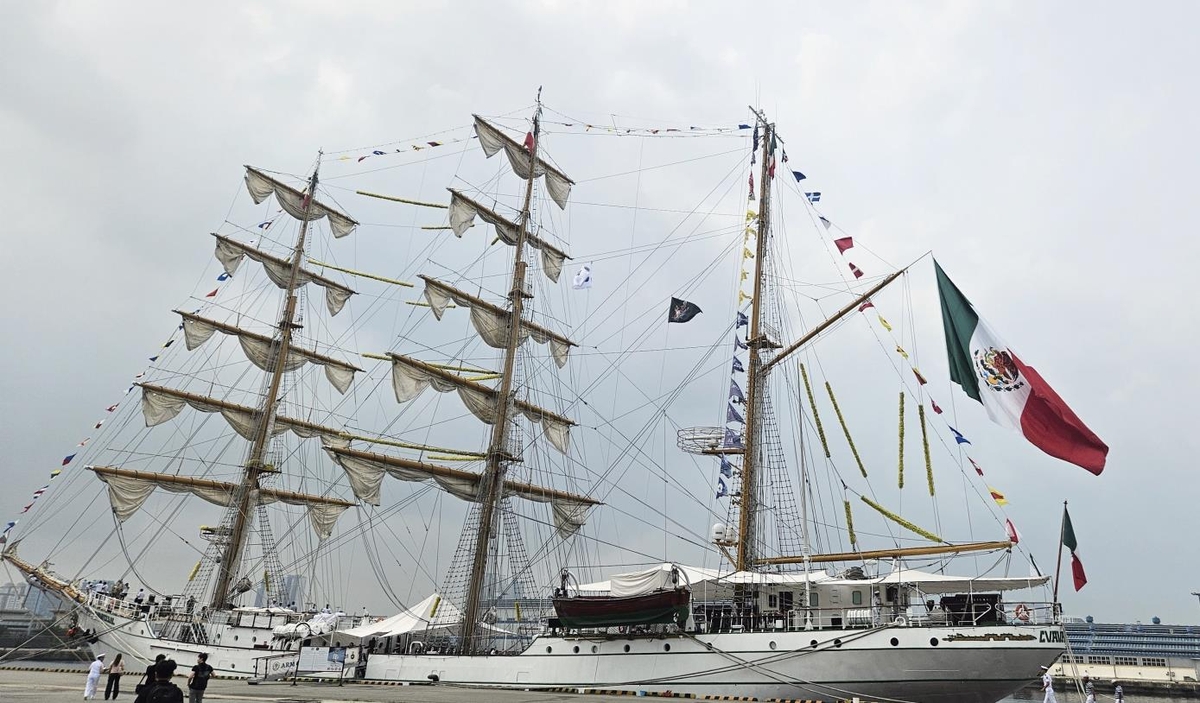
(766, 625)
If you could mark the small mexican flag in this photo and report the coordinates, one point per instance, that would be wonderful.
(1014, 394)
(1069, 541)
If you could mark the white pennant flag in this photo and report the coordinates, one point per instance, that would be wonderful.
(583, 279)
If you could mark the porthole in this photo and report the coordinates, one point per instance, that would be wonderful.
(895, 642)
(595, 649)
(255, 639)
(626, 648)
(575, 649)
(666, 647)
(772, 644)
(235, 638)
(837, 643)
(549, 650)
(813, 644)
(933, 642)
(708, 645)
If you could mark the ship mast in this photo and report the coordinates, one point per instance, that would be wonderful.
(256, 465)
(498, 456)
(747, 535)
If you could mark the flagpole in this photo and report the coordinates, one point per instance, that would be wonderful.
(1058, 564)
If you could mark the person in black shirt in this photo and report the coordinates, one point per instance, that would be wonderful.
(198, 681)
(161, 690)
(148, 677)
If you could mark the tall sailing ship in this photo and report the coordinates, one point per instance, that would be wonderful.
(776, 612)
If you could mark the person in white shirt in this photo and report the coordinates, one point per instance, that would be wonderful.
(1048, 686)
(93, 678)
(1089, 689)
(1118, 692)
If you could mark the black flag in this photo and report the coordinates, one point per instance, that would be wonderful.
(682, 311)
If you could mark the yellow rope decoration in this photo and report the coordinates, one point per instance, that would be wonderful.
(816, 417)
(901, 461)
(925, 444)
(902, 522)
(361, 274)
(850, 524)
(846, 430)
(406, 201)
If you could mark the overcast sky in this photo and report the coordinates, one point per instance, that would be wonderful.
(1044, 153)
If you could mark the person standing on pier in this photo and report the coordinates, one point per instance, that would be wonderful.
(113, 685)
(93, 677)
(1089, 689)
(1118, 692)
(1048, 686)
(198, 680)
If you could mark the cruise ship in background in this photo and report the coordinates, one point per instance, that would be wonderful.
(1137, 652)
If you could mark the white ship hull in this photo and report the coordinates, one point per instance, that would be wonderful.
(231, 650)
(966, 665)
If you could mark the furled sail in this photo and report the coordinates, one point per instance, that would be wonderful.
(462, 217)
(160, 404)
(261, 186)
(230, 253)
(493, 140)
(410, 378)
(367, 469)
(128, 490)
(491, 321)
(261, 349)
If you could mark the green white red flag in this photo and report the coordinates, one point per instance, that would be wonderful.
(1068, 539)
(1013, 393)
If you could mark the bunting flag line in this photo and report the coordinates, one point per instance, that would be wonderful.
(799, 176)
(112, 408)
(735, 393)
(814, 197)
(864, 306)
(825, 221)
(738, 343)
(742, 320)
(901, 352)
(213, 293)
(977, 469)
(920, 379)
(998, 497)
(722, 489)
(98, 424)
(68, 458)
(934, 404)
(732, 415)
(224, 276)
(83, 443)
(726, 468)
(751, 197)
(843, 243)
(54, 474)
(733, 440)
(958, 436)
(855, 270)
(885, 324)
(737, 366)
(266, 224)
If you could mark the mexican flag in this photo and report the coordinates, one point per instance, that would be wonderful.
(1013, 393)
(1069, 541)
